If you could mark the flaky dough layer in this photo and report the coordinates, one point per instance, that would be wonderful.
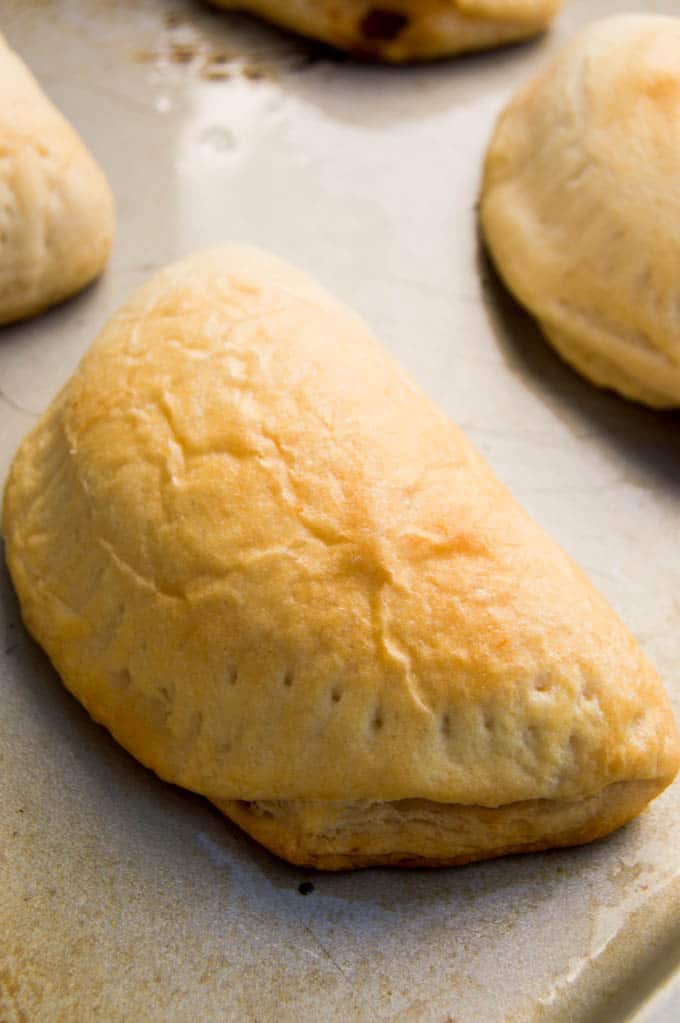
(277, 572)
(580, 204)
(418, 833)
(406, 30)
(56, 207)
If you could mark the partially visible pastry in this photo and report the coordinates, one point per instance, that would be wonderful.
(406, 30)
(580, 204)
(282, 578)
(56, 207)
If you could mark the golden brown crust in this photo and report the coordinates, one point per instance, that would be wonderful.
(415, 833)
(580, 208)
(406, 30)
(274, 570)
(56, 207)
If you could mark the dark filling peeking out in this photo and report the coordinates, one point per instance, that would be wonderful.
(382, 24)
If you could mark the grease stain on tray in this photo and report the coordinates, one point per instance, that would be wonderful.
(218, 139)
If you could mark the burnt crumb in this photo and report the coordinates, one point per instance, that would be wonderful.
(173, 19)
(382, 24)
(254, 72)
(216, 66)
(182, 53)
(216, 74)
(306, 888)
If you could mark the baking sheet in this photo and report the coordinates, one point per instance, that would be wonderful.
(122, 898)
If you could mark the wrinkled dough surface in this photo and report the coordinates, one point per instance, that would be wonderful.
(276, 571)
(581, 204)
(403, 30)
(56, 207)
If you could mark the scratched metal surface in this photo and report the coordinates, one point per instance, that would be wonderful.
(122, 898)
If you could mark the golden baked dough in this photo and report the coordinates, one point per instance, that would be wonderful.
(581, 204)
(56, 208)
(282, 578)
(406, 30)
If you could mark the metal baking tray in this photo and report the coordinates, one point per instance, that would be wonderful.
(122, 898)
